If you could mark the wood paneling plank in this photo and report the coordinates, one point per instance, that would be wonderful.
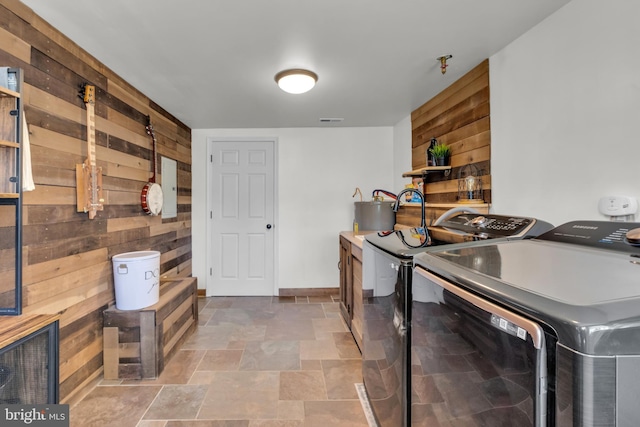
(64, 300)
(163, 228)
(69, 366)
(130, 96)
(111, 353)
(121, 132)
(121, 224)
(61, 266)
(50, 195)
(14, 46)
(180, 335)
(74, 383)
(436, 128)
(148, 343)
(91, 276)
(437, 100)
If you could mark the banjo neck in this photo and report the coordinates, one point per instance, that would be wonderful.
(89, 100)
(149, 128)
(151, 198)
(88, 174)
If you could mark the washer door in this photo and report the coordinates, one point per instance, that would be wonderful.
(473, 362)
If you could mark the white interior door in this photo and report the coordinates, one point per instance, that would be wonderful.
(241, 200)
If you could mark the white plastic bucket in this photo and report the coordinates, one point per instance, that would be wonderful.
(136, 277)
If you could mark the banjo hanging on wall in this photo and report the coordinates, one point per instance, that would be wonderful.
(89, 196)
(151, 197)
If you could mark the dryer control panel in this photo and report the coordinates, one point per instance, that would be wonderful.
(611, 235)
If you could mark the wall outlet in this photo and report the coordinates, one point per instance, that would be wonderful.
(618, 205)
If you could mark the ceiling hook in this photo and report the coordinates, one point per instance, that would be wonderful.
(443, 62)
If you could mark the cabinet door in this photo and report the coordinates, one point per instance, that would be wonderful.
(346, 281)
(357, 311)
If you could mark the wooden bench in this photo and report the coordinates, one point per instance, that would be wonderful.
(138, 343)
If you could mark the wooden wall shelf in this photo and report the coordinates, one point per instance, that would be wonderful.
(418, 173)
(479, 205)
(8, 92)
(9, 144)
(409, 213)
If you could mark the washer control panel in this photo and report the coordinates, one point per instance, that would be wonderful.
(489, 226)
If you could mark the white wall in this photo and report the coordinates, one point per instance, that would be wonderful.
(318, 171)
(570, 85)
(401, 153)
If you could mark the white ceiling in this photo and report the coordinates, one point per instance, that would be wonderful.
(211, 63)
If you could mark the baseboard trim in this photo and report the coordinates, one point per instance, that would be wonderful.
(308, 292)
(294, 292)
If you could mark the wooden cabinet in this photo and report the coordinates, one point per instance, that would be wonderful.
(29, 360)
(10, 192)
(357, 319)
(346, 281)
(351, 296)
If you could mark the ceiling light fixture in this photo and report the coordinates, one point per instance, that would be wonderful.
(296, 80)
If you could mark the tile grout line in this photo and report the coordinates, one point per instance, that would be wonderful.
(150, 405)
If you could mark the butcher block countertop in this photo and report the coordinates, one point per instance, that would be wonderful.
(14, 328)
(355, 238)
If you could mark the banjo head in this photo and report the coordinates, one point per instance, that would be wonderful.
(152, 199)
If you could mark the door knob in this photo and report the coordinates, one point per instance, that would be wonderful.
(268, 226)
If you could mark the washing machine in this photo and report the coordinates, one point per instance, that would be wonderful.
(387, 275)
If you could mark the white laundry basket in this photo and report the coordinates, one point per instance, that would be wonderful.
(136, 277)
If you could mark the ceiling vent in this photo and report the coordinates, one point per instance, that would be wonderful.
(331, 119)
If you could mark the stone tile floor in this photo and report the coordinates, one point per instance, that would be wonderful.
(252, 362)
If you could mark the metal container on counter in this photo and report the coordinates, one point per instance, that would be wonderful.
(375, 215)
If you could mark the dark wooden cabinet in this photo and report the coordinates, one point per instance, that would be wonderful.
(358, 298)
(351, 294)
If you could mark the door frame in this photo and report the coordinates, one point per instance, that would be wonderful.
(210, 201)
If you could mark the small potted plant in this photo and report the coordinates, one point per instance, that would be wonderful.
(440, 154)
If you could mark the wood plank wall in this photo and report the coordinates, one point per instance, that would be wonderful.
(67, 257)
(459, 117)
